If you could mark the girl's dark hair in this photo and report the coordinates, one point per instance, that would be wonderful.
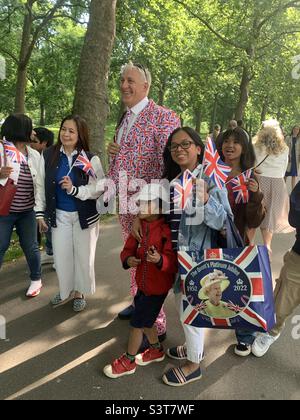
(248, 154)
(171, 169)
(83, 137)
(17, 128)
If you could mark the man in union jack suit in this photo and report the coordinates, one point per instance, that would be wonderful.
(138, 147)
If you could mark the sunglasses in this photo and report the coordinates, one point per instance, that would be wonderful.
(141, 67)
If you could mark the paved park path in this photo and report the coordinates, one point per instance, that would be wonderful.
(57, 354)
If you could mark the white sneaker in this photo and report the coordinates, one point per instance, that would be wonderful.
(47, 259)
(34, 289)
(262, 344)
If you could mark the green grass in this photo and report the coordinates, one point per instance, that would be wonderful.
(14, 252)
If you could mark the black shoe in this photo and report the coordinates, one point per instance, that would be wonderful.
(126, 314)
(242, 350)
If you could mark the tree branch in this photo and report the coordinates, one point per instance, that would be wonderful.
(48, 17)
(9, 54)
(277, 37)
(209, 26)
(294, 3)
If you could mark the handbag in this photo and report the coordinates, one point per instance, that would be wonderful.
(7, 192)
(228, 289)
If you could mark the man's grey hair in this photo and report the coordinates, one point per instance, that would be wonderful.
(143, 71)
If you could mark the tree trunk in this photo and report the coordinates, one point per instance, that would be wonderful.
(91, 101)
(198, 120)
(42, 114)
(161, 93)
(23, 61)
(214, 114)
(279, 115)
(244, 93)
(264, 110)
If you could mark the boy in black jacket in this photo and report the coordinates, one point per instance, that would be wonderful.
(287, 292)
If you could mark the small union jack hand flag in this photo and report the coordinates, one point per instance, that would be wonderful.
(183, 189)
(82, 162)
(239, 187)
(13, 154)
(214, 167)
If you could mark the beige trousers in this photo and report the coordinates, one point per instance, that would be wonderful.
(287, 292)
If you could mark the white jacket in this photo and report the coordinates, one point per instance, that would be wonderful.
(33, 164)
(90, 188)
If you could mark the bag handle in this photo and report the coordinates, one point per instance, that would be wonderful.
(4, 155)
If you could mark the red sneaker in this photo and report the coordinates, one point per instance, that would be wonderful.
(149, 356)
(120, 367)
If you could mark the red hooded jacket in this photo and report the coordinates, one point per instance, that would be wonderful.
(153, 279)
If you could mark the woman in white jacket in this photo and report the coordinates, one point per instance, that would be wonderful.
(17, 130)
(74, 222)
(270, 141)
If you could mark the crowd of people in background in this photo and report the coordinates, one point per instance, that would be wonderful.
(57, 197)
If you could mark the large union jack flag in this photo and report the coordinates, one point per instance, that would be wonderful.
(257, 312)
(183, 189)
(13, 154)
(214, 167)
(82, 162)
(240, 188)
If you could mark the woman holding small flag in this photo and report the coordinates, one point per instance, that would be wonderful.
(20, 163)
(245, 196)
(246, 201)
(75, 228)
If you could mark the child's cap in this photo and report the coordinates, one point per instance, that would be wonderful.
(151, 192)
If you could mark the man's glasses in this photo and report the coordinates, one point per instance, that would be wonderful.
(184, 145)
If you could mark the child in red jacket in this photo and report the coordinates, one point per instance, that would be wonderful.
(156, 264)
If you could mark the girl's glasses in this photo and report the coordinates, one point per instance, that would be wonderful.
(184, 145)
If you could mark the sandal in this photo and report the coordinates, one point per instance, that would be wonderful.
(176, 377)
(79, 304)
(56, 300)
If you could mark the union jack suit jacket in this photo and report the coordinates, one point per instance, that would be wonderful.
(141, 154)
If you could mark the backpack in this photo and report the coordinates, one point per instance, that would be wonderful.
(294, 215)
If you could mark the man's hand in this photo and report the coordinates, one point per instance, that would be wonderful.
(133, 262)
(113, 149)
(66, 184)
(137, 230)
(5, 172)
